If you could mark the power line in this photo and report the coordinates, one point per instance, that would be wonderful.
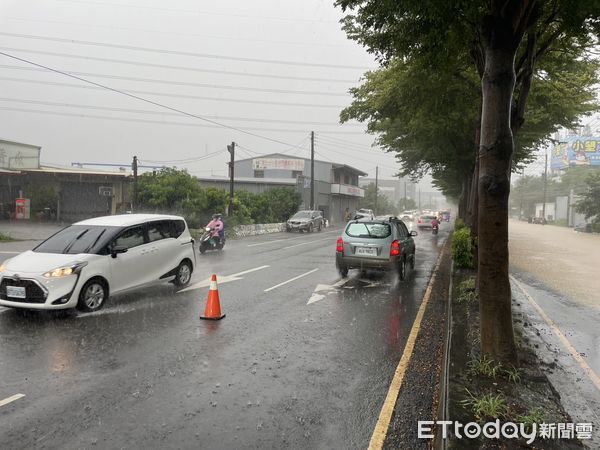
(187, 160)
(143, 99)
(195, 11)
(174, 33)
(182, 53)
(173, 83)
(342, 141)
(185, 96)
(166, 66)
(165, 122)
(353, 148)
(158, 113)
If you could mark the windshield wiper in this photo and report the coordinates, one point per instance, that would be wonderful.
(68, 247)
(93, 244)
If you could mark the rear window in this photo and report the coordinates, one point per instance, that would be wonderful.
(368, 230)
(77, 239)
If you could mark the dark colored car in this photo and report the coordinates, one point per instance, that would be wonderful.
(305, 221)
(375, 244)
(583, 228)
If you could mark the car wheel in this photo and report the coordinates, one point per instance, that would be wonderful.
(319, 229)
(412, 262)
(402, 270)
(184, 274)
(310, 228)
(92, 296)
(343, 272)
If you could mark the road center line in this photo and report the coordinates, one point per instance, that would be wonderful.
(8, 400)
(290, 280)
(385, 416)
(304, 243)
(574, 353)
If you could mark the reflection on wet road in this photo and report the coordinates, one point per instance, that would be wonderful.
(279, 371)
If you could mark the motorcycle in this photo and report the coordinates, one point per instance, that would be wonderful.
(434, 229)
(210, 241)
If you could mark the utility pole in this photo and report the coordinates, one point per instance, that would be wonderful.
(376, 186)
(231, 150)
(405, 205)
(312, 170)
(545, 185)
(134, 167)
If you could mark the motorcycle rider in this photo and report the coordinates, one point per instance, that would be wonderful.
(435, 224)
(217, 227)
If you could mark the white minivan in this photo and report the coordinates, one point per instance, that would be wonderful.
(82, 264)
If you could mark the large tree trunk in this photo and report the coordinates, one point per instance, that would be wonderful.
(495, 153)
(463, 201)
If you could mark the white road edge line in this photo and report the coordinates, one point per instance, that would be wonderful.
(290, 280)
(572, 350)
(10, 253)
(8, 400)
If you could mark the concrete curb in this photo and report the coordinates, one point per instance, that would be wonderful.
(440, 443)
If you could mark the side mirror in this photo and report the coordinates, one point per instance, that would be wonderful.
(118, 249)
(413, 233)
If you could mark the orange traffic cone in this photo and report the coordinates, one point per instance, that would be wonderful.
(213, 305)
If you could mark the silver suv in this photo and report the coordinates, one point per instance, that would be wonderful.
(375, 244)
(305, 221)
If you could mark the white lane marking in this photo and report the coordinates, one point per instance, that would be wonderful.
(290, 280)
(572, 350)
(10, 253)
(305, 243)
(322, 290)
(221, 279)
(288, 239)
(8, 400)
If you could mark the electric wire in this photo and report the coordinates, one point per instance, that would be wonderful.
(167, 66)
(182, 53)
(177, 83)
(159, 113)
(185, 96)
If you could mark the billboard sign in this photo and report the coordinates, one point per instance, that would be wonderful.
(19, 156)
(576, 151)
(278, 164)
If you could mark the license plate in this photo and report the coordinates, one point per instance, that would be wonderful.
(15, 291)
(366, 251)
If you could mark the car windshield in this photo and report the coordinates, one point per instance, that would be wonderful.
(368, 230)
(76, 239)
(302, 215)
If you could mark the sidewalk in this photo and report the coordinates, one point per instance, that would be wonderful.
(30, 231)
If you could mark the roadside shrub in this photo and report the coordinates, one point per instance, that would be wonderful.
(459, 224)
(561, 223)
(462, 251)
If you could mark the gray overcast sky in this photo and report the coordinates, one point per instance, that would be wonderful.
(275, 68)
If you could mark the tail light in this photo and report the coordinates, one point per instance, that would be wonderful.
(395, 248)
(339, 246)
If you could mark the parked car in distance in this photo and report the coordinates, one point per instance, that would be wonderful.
(375, 244)
(364, 214)
(305, 221)
(583, 228)
(424, 221)
(83, 263)
(407, 216)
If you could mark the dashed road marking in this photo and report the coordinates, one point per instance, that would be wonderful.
(288, 239)
(10, 253)
(8, 400)
(305, 243)
(290, 280)
(574, 353)
(221, 279)
(387, 410)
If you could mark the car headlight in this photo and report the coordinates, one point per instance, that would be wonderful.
(2, 267)
(65, 270)
(207, 229)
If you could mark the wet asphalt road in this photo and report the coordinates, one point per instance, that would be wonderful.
(275, 373)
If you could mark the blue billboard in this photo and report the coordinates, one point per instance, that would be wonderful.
(576, 151)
